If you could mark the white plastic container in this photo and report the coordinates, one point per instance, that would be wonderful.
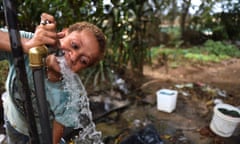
(222, 124)
(166, 100)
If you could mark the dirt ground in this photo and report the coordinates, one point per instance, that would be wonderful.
(194, 111)
(198, 86)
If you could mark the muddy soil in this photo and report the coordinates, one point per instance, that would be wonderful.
(199, 85)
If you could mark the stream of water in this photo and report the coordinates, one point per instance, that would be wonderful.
(78, 96)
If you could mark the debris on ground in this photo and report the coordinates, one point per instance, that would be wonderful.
(146, 135)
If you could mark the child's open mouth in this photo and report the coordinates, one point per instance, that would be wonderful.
(59, 52)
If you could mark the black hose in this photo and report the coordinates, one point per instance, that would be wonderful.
(38, 77)
(24, 90)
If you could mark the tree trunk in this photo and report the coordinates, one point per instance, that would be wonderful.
(185, 8)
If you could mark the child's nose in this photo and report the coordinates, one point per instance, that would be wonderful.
(74, 58)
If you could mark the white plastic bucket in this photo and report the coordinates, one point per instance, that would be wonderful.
(166, 100)
(222, 124)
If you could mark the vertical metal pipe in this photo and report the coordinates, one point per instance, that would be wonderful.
(24, 90)
(36, 58)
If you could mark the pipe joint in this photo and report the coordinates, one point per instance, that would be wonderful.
(37, 56)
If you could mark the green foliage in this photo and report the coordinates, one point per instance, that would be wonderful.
(127, 29)
(211, 51)
(98, 77)
(3, 73)
(204, 58)
(65, 12)
(219, 48)
(175, 35)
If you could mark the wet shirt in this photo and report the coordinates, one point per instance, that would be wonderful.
(13, 103)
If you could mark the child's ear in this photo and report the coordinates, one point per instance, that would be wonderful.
(65, 30)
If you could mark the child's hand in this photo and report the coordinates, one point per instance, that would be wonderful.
(45, 33)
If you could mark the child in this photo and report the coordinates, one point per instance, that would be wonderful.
(83, 45)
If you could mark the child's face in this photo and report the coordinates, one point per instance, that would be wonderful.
(81, 49)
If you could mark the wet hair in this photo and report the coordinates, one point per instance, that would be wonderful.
(80, 26)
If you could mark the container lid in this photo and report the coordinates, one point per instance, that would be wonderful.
(167, 92)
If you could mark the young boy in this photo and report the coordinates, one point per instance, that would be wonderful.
(83, 45)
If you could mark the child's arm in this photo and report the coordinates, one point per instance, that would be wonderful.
(5, 42)
(26, 42)
(57, 132)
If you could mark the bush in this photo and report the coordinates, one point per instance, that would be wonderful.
(3, 73)
(220, 48)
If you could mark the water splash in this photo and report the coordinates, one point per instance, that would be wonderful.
(78, 97)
